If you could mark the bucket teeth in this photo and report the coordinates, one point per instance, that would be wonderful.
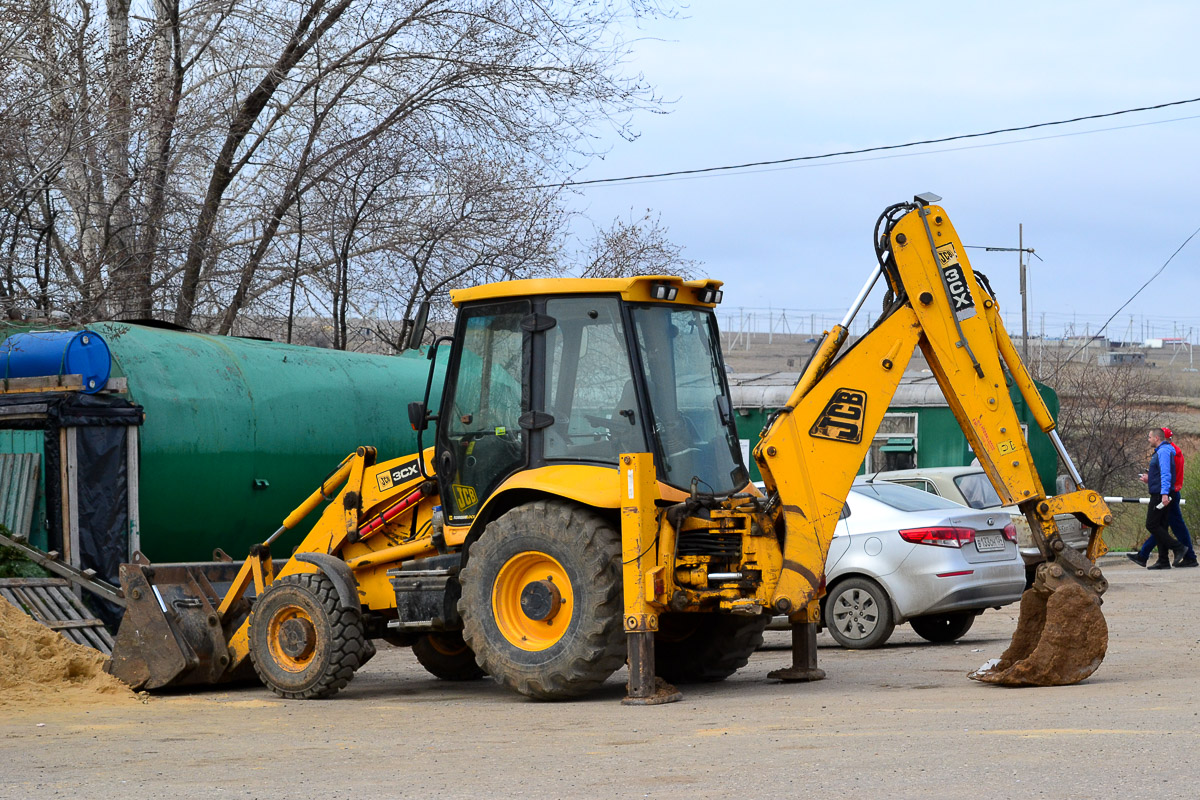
(1061, 638)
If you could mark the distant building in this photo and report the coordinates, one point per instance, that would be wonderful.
(1167, 341)
(1121, 358)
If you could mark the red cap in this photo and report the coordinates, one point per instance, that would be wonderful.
(1167, 433)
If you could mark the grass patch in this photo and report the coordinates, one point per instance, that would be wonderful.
(15, 565)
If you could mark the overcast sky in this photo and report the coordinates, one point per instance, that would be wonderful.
(1104, 206)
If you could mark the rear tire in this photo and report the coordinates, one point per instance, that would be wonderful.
(858, 614)
(303, 643)
(705, 648)
(541, 601)
(446, 656)
(941, 628)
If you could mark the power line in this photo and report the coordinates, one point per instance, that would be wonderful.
(861, 151)
(1149, 280)
(889, 156)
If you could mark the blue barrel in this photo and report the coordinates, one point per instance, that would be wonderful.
(51, 353)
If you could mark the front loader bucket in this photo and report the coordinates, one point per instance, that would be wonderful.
(1061, 635)
(172, 634)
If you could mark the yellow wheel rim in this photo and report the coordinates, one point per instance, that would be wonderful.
(292, 638)
(532, 601)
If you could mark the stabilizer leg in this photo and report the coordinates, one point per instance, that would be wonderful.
(804, 649)
(645, 688)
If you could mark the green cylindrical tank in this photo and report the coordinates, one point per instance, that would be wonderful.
(239, 431)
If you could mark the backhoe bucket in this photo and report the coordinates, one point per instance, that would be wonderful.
(1061, 635)
(172, 634)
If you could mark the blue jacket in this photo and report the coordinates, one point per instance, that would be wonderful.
(1160, 477)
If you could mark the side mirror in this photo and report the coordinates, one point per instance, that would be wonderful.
(418, 416)
(417, 332)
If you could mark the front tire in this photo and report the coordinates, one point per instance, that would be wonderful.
(705, 648)
(541, 601)
(858, 614)
(942, 628)
(303, 643)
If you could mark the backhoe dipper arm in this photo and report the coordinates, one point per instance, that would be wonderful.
(811, 450)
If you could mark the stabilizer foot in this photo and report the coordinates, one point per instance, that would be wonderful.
(663, 693)
(797, 675)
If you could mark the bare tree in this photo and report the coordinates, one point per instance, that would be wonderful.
(638, 246)
(190, 158)
(1104, 413)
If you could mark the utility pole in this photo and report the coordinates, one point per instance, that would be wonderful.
(1021, 251)
(1024, 303)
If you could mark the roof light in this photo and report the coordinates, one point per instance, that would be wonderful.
(663, 291)
(708, 295)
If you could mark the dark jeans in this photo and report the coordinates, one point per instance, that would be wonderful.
(1178, 527)
(1156, 523)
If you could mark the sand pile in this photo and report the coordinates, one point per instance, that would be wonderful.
(39, 666)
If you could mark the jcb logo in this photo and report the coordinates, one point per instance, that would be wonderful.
(842, 418)
(961, 301)
(401, 474)
(947, 254)
(465, 496)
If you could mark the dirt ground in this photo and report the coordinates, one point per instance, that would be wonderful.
(901, 721)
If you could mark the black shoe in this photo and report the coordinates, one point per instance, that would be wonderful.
(1180, 554)
(1162, 563)
(1135, 558)
(1190, 562)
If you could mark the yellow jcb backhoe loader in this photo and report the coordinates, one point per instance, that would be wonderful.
(584, 502)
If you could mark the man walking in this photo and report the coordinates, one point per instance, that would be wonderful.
(1159, 478)
(1174, 513)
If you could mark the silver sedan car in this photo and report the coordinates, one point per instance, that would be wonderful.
(970, 486)
(902, 555)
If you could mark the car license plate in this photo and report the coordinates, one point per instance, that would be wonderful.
(989, 542)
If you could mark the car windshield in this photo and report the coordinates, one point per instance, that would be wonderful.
(902, 498)
(693, 418)
(977, 490)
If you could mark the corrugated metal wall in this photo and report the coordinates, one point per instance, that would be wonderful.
(22, 504)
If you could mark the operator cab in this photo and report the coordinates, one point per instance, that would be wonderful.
(581, 371)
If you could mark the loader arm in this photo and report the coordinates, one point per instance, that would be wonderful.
(178, 630)
(811, 450)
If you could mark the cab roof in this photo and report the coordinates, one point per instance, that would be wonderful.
(636, 290)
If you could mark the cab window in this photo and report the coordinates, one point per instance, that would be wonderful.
(589, 387)
(482, 441)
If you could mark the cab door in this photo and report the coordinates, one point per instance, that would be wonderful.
(480, 440)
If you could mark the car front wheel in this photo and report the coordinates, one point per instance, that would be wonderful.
(858, 614)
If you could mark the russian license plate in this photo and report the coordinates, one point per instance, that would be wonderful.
(989, 542)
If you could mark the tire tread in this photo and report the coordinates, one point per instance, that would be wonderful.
(599, 648)
(348, 645)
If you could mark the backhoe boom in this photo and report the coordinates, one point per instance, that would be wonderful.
(939, 304)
